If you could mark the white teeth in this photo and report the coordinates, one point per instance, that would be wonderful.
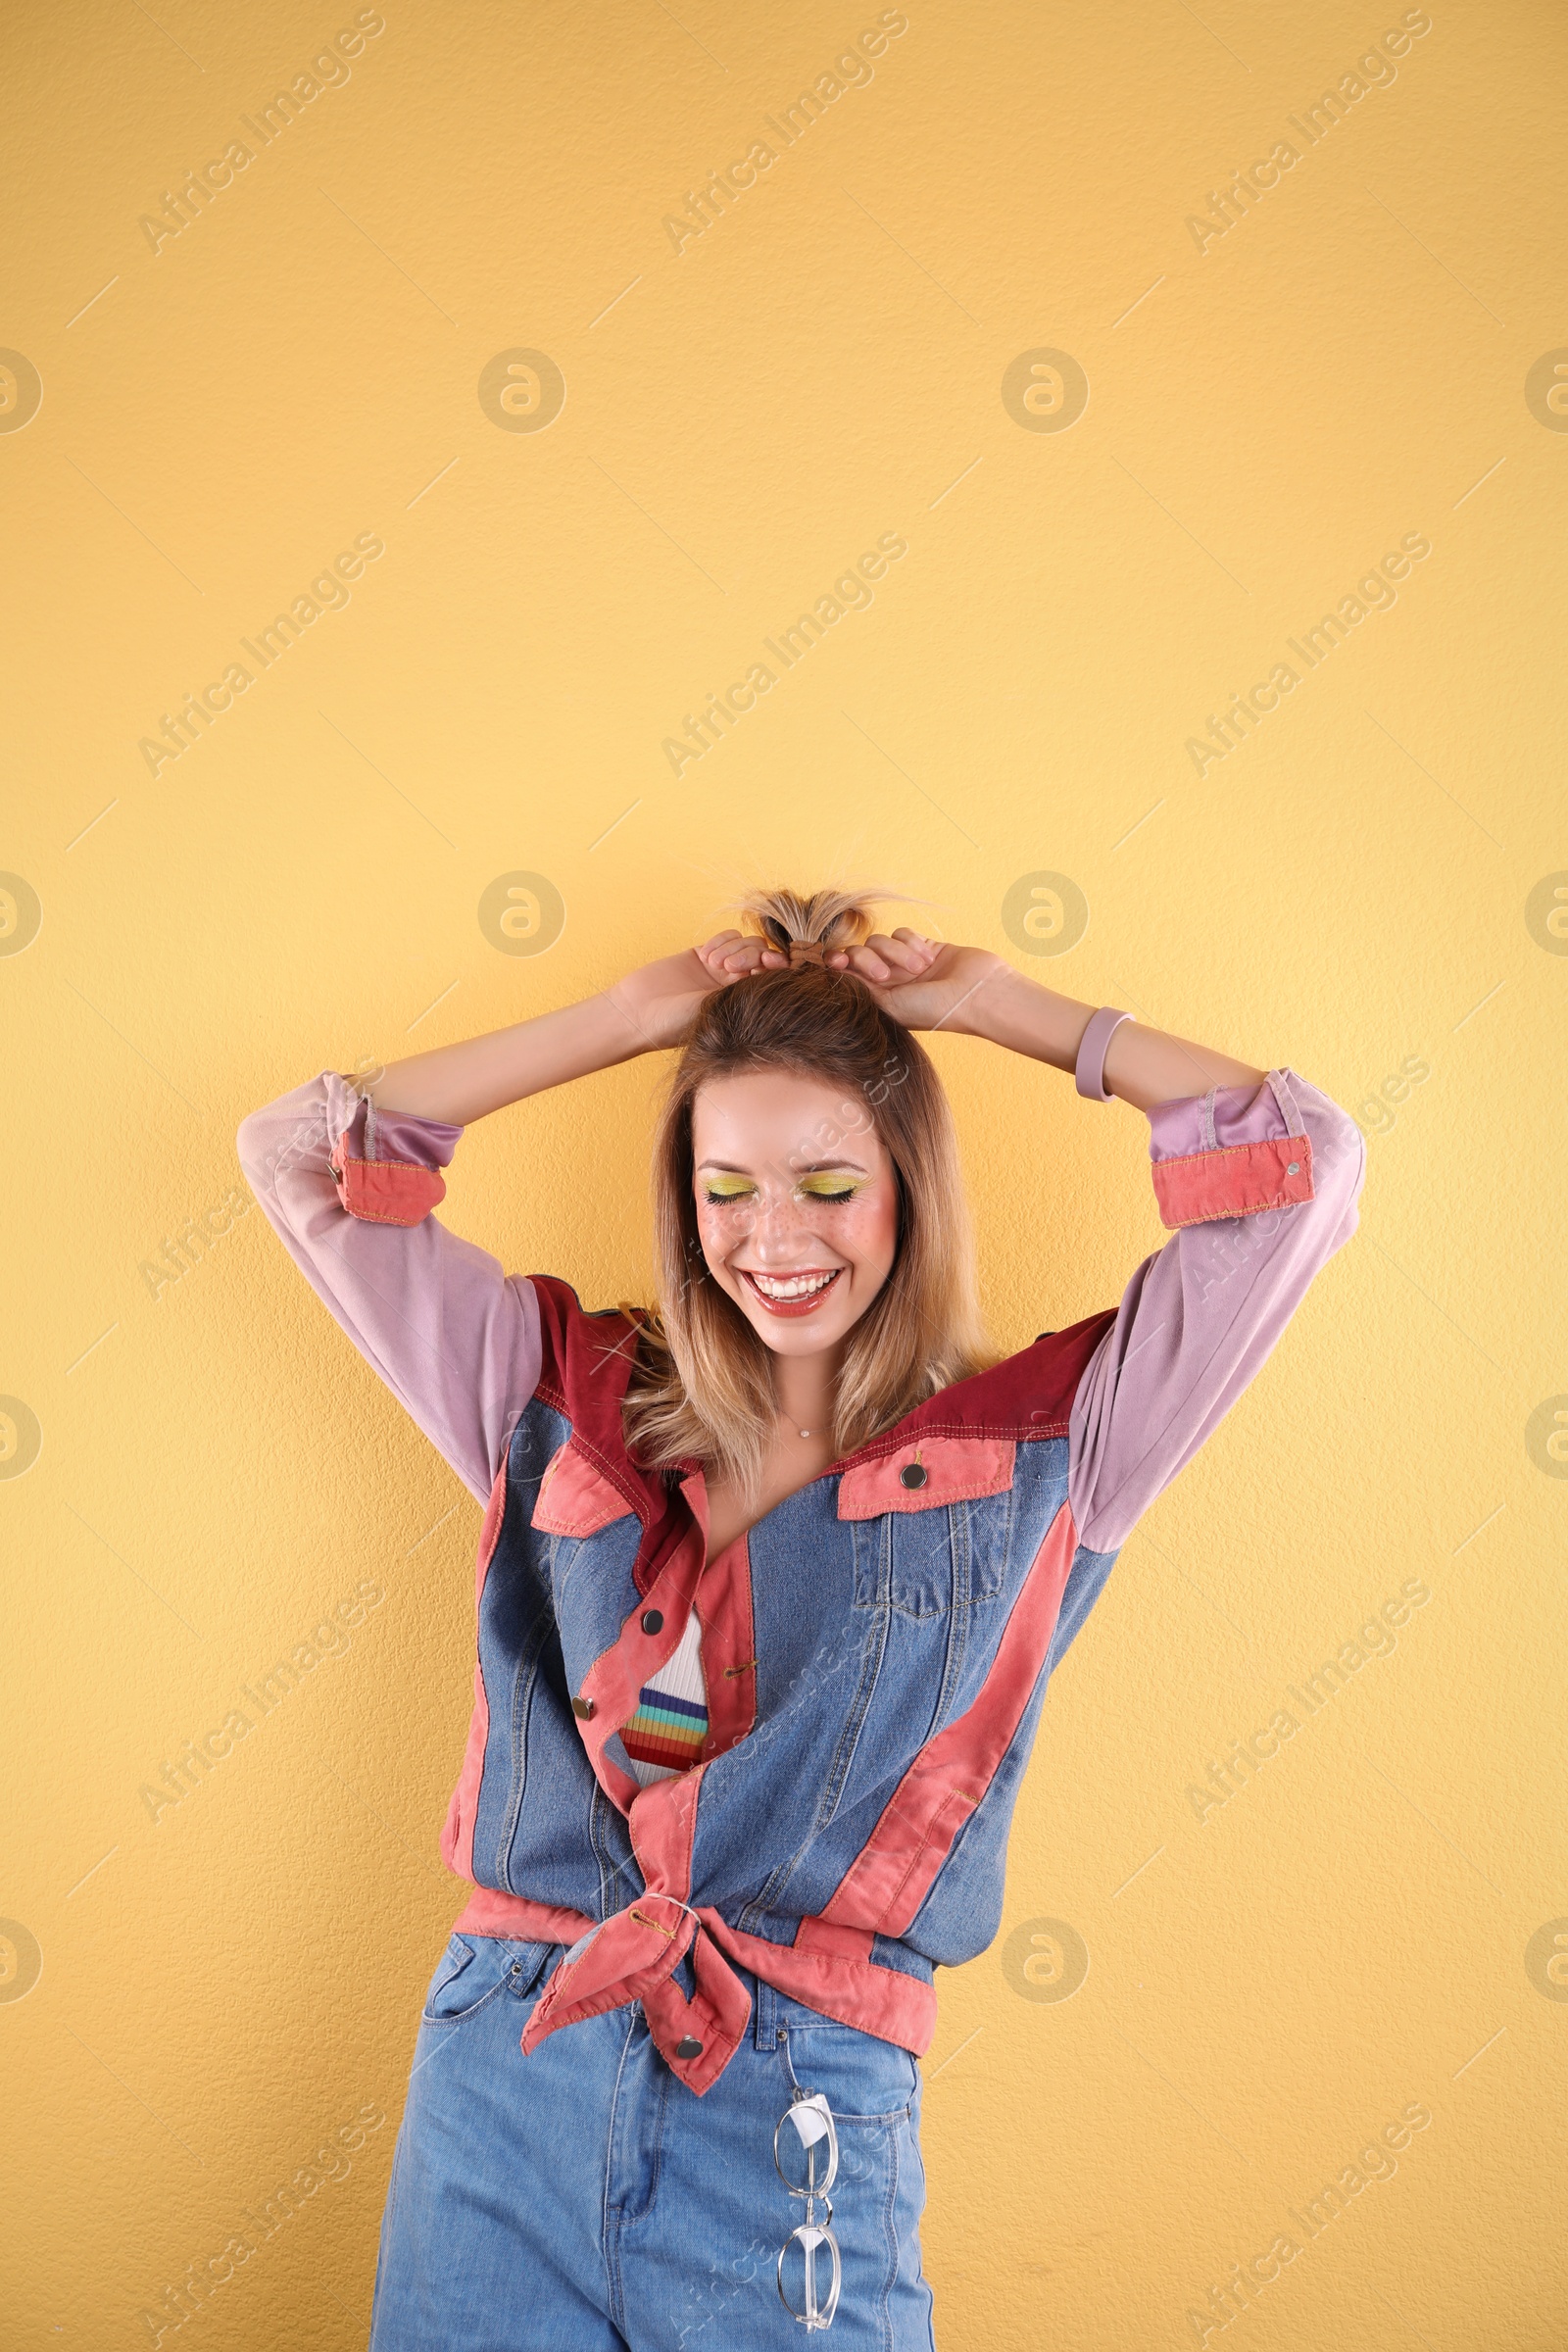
(797, 1286)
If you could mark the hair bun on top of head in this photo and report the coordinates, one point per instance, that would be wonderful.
(808, 929)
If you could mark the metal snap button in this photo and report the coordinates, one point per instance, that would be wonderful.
(912, 1475)
(652, 1621)
(584, 1707)
(688, 2047)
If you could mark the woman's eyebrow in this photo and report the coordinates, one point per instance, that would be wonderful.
(809, 1167)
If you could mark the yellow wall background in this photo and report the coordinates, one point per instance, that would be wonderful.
(196, 1472)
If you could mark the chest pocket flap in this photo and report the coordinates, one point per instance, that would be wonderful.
(926, 1472)
(574, 1498)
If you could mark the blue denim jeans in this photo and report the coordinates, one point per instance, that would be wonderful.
(582, 2199)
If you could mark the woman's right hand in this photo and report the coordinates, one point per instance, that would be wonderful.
(659, 1000)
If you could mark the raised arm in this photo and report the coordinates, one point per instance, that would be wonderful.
(931, 984)
(650, 1008)
(454, 1337)
(1256, 1172)
(1261, 1183)
(347, 1172)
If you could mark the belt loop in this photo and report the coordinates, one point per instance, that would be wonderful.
(766, 2012)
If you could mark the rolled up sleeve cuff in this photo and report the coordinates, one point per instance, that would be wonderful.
(1230, 1153)
(387, 1168)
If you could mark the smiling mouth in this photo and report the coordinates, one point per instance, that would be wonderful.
(790, 1294)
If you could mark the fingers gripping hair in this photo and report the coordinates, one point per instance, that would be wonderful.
(819, 923)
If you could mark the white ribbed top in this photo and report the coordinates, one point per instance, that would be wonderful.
(679, 1678)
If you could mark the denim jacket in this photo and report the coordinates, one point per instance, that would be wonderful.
(875, 1648)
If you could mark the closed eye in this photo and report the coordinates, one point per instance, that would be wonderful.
(720, 1190)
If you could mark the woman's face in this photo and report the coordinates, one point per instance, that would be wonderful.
(797, 1204)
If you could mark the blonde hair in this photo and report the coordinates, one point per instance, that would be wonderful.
(702, 1383)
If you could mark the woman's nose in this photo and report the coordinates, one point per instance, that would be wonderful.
(777, 1227)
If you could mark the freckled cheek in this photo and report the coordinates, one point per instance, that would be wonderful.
(867, 1235)
(721, 1232)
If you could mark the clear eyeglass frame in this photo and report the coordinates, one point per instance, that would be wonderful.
(812, 2118)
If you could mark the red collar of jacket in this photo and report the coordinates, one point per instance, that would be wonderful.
(587, 1364)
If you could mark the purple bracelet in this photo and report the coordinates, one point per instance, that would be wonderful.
(1090, 1067)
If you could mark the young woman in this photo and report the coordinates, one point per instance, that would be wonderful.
(771, 1583)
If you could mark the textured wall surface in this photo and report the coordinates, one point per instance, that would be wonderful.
(592, 428)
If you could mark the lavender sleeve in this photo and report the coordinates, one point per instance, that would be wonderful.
(454, 1337)
(1199, 1319)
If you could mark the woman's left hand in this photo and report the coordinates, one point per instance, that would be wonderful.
(923, 982)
